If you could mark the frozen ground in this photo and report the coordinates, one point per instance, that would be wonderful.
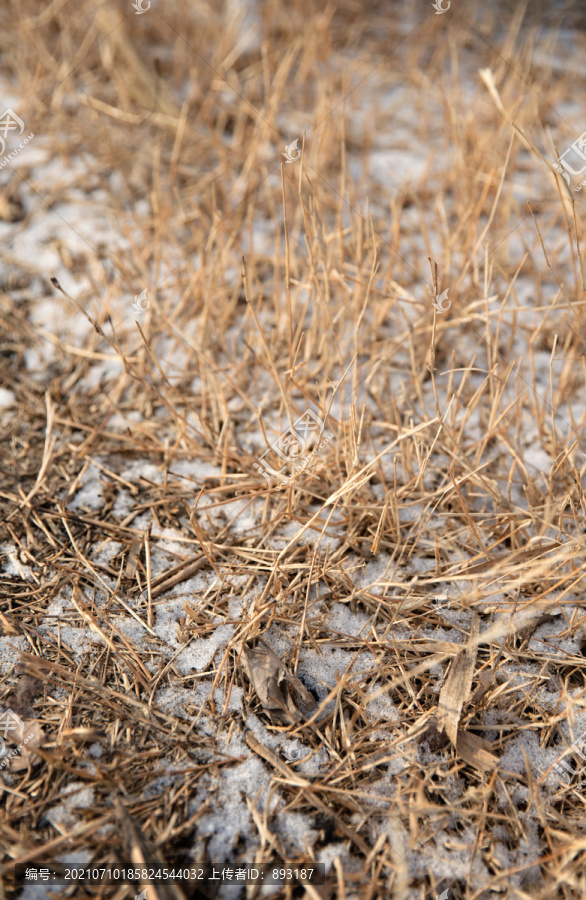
(119, 472)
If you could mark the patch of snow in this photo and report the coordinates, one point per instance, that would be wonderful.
(7, 398)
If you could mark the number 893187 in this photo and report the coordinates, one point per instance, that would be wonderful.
(293, 874)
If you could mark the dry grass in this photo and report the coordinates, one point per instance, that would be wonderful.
(456, 466)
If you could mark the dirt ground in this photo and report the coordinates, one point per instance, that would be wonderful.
(293, 449)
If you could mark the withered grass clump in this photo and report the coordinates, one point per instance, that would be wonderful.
(378, 660)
